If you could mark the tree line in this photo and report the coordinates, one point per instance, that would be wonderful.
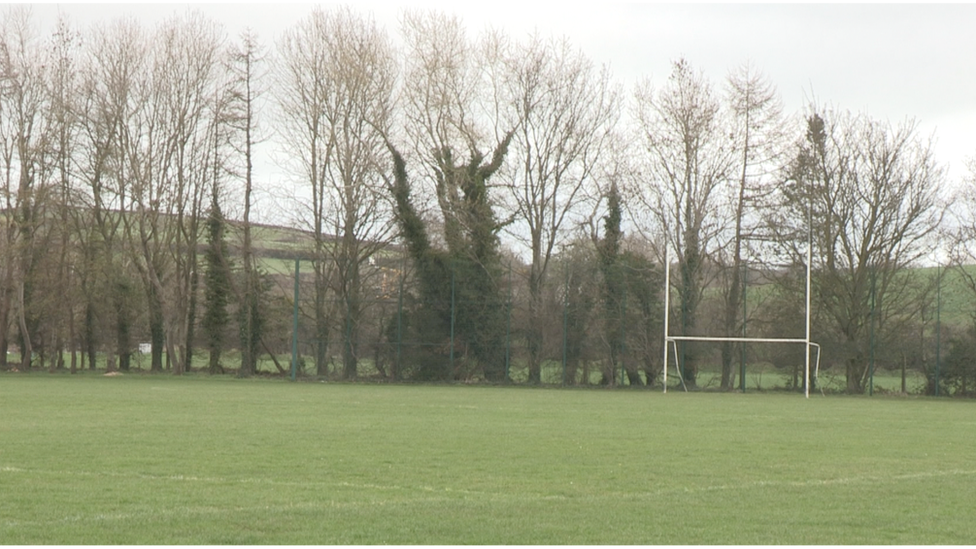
(128, 182)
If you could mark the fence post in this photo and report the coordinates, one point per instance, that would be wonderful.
(399, 342)
(623, 330)
(938, 327)
(508, 329)
(294, 326)
(453, 309)
(565, 321)
(745, 317)
(873, 315)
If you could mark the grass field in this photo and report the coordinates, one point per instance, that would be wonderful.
(154, 459)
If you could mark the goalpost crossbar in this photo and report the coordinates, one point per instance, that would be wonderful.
(740, 339)
(673, 340)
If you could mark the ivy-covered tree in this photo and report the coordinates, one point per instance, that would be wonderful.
(448, 82)
(608, 250)
(217, 288)
(459, 286)
(631, 302)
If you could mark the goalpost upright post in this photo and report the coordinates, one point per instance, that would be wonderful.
(667, 310)
(806, 368)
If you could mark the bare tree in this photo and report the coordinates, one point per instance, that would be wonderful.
(113, 56)
(165, 149)
(564, 109)
(8, 226)
(24, 146)
(690, 157)
(338, 104)
(63, 121)
(757, 124)
(197, 56)
(303, 100)
(872, 194)
(363, 69)
(247, 70)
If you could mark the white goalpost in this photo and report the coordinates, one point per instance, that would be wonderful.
(673, 340)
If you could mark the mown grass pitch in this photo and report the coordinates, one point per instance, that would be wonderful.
(154, 459)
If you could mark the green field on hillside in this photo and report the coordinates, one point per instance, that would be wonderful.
(155, 459)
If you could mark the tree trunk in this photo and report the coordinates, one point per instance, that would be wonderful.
(156, 330)
(89, 334)
(534, 332)
(123, 341)
(251, 339)
(214, 363)
(855, 372)
(26, 349)
(634, 377)
(72, 341)
(904, 363)
(350, 349)
(321, 323)
(689, 307)
(732, 307)
(191, 313)
(351, 285)
(5, 301)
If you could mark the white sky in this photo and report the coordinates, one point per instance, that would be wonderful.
(893, 61)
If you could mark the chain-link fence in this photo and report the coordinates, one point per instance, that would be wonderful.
(577, 329)
(392, 328)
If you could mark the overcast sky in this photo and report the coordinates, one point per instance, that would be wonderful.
(893, 61)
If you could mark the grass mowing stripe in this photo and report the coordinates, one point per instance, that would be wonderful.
(196, 511)
(219, 480)
(812, 483)
(869, 479)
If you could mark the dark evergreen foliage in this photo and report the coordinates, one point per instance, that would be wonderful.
(608, 250)
(217, 289)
